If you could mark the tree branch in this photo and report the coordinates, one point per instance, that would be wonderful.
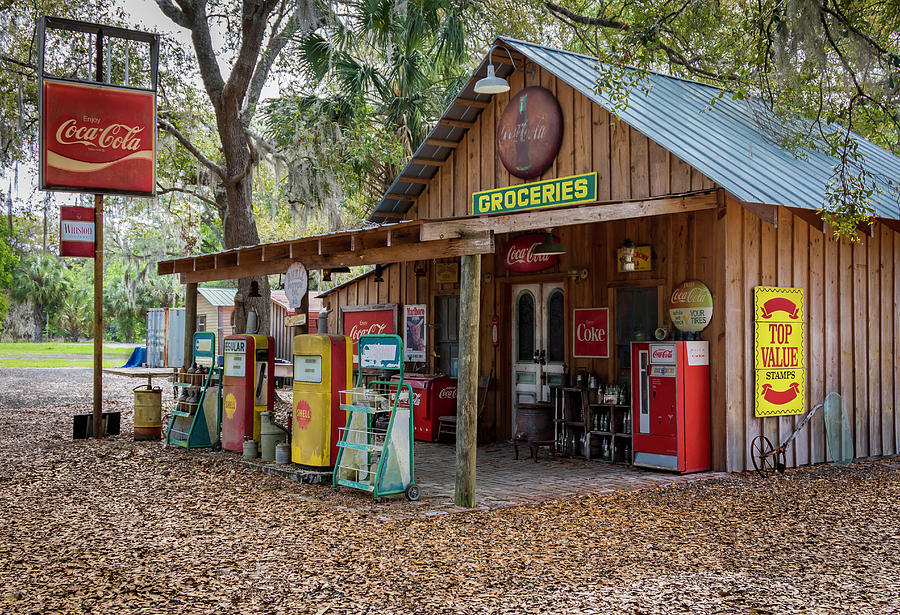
(193, 193)
(185, 142)
(174, 13)
(254, 17)
(584, 19)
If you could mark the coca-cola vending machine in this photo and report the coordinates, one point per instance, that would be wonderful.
(433, 397)
(670, 405)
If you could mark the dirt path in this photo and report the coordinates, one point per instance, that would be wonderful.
(115, 527)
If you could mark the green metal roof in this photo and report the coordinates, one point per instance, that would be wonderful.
(219, 297)
(727, 141)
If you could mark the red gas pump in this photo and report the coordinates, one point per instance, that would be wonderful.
(670, 405)
(248, 387)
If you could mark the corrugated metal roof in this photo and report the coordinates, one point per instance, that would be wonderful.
(219, 297)
(723, 141)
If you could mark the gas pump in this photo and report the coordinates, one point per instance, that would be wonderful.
(248, 387)
(323, 366)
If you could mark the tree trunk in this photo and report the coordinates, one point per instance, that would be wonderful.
(38, 323)
(239, 225)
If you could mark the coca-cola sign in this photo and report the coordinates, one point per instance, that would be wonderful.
(591, 333)
(662, 353)
(691, 306)
(520, 256)
(529, 132)
(448, 393)
(98, 139)
(368, 320)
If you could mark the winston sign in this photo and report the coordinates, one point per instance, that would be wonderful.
(98, 138)
(76, 231)
(779, 351)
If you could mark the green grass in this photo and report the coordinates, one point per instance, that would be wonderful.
(56, 363)
(81, 349)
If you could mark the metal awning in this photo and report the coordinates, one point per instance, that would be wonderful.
(390, 243)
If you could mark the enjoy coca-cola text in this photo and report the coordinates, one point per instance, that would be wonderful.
(360, 329)
(114, 136)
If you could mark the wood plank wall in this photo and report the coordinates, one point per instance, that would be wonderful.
(852, 339)
(628, 164)
(684, 246)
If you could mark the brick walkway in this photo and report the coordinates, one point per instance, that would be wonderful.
(501, 480)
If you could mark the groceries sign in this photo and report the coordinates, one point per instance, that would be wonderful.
(520, 256)
(97, 138)
(591, 330)
(572, 190)
(779, 351)
(76, 231)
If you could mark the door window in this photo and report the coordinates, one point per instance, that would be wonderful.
(446, 309)
(525, 326)
(636, 319)
(556, 330)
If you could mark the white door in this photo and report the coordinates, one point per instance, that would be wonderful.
(538, 342)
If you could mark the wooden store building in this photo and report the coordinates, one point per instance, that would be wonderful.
(550, 236)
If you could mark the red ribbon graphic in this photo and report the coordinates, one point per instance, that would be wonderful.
(780, 304)
(779, 398)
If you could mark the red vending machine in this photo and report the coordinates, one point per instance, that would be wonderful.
(248, 387)
(670, 405)
(433, 397)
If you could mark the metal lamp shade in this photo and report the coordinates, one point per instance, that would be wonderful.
(492, 84)
(549, 247)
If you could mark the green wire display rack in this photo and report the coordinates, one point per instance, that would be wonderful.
(195, 426)
(372, 456)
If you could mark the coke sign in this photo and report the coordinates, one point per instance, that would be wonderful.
(368, 321)
(98, 139)
(662, 353)
(591, 332)
(529, 132)
(520, 256)
(448, 393)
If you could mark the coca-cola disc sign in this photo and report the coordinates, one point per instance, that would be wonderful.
(520, 256)
(98, 139)
(529, 132)
(691, 306)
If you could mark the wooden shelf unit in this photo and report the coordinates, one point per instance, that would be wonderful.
(574, 419)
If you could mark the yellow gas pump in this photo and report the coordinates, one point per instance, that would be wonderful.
(323, 366)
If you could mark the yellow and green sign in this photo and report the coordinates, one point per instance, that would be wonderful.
(572, 190)
(779, 351)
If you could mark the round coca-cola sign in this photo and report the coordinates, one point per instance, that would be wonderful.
(529, 132)
(691, 306)
(520, 256)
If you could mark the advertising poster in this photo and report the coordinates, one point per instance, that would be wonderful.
(414, 333)
(779, 351)
(76, 231)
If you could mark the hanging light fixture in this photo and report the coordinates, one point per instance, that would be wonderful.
(326, 275)
(420, 269)
(550, 246)
(492, 84)
(379, 270)
(627, 249)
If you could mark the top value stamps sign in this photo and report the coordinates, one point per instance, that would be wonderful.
(779, 351)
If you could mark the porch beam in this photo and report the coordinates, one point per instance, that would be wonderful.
(467, 398)
(570, 216)
(482, 243)
(766, 213)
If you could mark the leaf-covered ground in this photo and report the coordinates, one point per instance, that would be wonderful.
(124, 527)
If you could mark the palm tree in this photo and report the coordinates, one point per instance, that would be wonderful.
(378, 75)
(40, 279)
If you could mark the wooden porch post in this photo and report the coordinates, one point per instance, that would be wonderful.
(190, 321)
(467, 399)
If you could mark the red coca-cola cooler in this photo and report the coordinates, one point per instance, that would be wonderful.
(433, 397)
(670, 405)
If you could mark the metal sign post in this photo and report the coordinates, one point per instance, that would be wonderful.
(97, 137)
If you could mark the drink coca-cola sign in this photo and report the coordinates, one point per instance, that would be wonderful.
(529, 132)
(591, 333)
(691, 306)
(98, 139)
(368, 320)
(520, 256)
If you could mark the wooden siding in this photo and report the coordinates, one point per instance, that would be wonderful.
(684, 246)
(851, 294)
(628, 164)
